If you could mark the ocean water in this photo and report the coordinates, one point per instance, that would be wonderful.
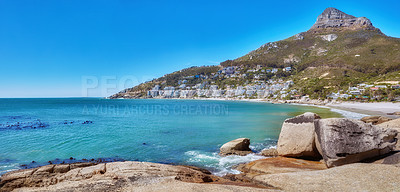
(189, 132)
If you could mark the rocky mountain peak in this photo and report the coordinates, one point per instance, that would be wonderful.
(332, 14)
(334, 18)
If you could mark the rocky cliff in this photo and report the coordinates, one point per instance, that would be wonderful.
(334, 18)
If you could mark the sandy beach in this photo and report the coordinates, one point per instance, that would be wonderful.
(381, 108)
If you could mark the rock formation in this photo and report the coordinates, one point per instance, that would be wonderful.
(279, 165)
(352, 177)
(329, 37)
(269, 152)
(393, 124)
(297, 138)
(236, 147)
(333, 18)
(118, 176)
(375, 119)
(345, 141)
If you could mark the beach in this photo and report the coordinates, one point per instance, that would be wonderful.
(378, 108)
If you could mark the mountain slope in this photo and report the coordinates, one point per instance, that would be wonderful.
(338, 51)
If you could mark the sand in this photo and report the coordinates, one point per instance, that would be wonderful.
(381, 108)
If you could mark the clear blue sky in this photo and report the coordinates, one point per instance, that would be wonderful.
(46, 47)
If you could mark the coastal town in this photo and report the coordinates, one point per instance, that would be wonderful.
(264, 83)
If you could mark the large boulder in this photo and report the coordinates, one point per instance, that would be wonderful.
(352, 177)
(297, 138)
(393, 124)
(344, 141)
(375, 119)
(236, 147)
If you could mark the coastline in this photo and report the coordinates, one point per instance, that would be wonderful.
(364, 109)
(347, 109)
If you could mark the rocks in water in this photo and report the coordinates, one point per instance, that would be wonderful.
(272, 152)
(236, 147)
(67, 122)
(87, 122)
(71, 161)
(345, 141)
(20, 125)
(297, 137)
(375, 119)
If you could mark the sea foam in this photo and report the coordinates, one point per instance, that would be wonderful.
(218, 165)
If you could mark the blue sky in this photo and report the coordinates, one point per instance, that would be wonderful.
(49, 48)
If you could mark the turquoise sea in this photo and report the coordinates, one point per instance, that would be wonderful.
(190, 132)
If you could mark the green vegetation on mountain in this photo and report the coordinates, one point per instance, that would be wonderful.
(338, 52)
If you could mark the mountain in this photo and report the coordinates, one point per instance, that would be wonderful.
(333, 18)
(338, 51)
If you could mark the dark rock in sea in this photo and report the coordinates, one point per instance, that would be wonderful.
(70, 160)
(87, 122)
(19, 125)
(67, 122)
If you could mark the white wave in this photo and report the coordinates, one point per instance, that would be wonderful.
(349, 114)
(266, 144)
(8, 168)
(218, 165)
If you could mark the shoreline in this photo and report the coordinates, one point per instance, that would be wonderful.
(361, 108)
(346, 109)
(349, 107)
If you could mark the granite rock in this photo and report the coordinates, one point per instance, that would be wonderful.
(272, 152)
(297, 138)
(393, 124)
(236, 147)
(351, 177)
(375, 119)
(120, 176)
(345, 141)
(329, 37)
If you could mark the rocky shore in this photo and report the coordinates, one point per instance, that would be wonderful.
(313, 154)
